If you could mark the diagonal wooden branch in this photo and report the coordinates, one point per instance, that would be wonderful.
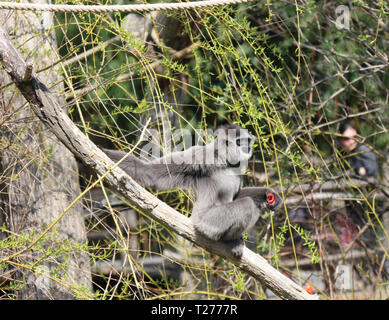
(46, 107)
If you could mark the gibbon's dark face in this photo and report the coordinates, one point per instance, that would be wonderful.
(238, 143)
(272, 200)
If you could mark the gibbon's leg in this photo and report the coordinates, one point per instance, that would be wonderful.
(236, 247)
(227, 221)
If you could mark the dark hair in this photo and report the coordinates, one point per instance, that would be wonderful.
(344, 126)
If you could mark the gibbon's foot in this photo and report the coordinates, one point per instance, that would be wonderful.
(236, 247)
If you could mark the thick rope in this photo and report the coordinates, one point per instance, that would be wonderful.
(117, 8)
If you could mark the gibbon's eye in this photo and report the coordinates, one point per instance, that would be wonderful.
(270, 198)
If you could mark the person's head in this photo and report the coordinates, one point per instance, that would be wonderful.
(347, 142)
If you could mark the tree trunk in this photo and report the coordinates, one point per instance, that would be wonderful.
(39, 177)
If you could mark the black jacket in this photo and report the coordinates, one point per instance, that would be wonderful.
(361, 156)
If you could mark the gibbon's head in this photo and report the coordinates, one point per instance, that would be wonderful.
(272, 200)
(235, 144)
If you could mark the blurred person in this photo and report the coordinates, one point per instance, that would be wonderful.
(362, 161)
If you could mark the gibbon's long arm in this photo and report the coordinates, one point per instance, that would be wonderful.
(176, 170)
(263, 197)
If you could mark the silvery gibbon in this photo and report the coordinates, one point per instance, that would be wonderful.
(222, 209)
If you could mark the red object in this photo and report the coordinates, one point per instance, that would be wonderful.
(270, 198)
(308, 288)
(347, 231)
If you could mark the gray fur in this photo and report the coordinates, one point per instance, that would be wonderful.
(222, 210)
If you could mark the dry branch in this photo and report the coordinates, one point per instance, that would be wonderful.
(354, 254)
(79, 93)
(46, 107)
